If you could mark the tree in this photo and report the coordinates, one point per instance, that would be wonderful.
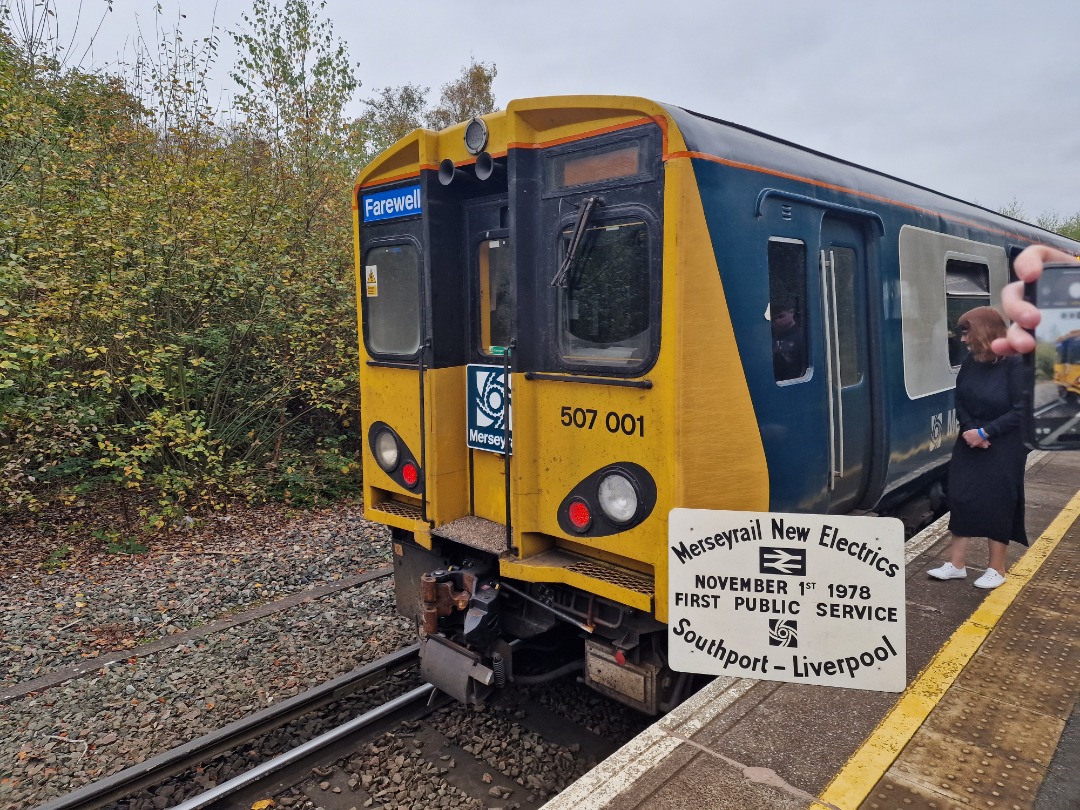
(467, 96)
(177, 314)
(177, 307)
(1013, 209)
(1051, 220)
(1066, 226)
(295, 80)
(392, 113)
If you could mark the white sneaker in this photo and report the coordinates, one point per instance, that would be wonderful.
(991, 579)
(949, 571)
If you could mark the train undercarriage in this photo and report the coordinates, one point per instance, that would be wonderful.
(480, 632)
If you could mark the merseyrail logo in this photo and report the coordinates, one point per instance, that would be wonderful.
(399, 202)
(489, 415)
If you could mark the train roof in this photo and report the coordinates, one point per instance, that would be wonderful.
(736, 144)
(549, 120)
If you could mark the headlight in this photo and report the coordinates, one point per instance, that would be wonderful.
(386, 451)
(476, 135)
(618, 498)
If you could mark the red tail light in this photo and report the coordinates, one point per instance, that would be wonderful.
(409, 474)
(580, 515)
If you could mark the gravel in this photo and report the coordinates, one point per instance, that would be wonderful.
(499, 755)
(539, 766)
(88, 727)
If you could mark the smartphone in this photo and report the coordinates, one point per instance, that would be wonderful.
(1055, 363)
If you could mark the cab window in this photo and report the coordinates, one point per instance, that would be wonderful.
(604, 306)
(392, 300)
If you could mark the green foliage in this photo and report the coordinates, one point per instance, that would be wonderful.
(467, 96)
(1066, 226)
(1045, 357)
(115, 543)
(1051, 220)
(327, 474)
(394, 112)
(177, 305)
(176, 297)
(57, 560)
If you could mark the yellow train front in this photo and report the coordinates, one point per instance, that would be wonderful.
(1067, 366)
(651, 309)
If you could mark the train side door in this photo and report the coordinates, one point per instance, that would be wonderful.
(843, 276)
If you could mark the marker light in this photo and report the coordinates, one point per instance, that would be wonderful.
(409, 474)
(618, 498)
(580, 515)
(386, 451)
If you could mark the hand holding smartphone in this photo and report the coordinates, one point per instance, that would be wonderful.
(1055, 363)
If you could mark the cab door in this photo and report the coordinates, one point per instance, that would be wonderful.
(843, 277)
(492, 296)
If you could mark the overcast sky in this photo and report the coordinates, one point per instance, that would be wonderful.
(977, 99)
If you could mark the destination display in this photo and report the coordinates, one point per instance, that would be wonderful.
(815, 599)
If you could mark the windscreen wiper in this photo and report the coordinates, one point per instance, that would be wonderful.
(575, 241)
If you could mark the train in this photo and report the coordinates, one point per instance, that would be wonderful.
(581, 312)
(1067, 366)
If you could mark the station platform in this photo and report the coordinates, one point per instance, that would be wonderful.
(989, 716)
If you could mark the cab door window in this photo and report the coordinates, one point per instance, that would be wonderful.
(496, 295)
(392, 300)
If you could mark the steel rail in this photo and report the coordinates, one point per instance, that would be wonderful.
(284, 760)
(125, 782)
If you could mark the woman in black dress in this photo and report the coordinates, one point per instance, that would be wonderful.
(986, 474)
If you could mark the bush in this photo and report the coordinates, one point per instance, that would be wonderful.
(176, 295)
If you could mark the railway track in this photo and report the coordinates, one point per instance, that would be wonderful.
(410, 749)
(452, 745)
(517, 751)
(182, 758)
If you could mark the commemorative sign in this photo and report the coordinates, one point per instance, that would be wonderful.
(815, 599)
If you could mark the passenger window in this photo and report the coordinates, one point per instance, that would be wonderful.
(496, 296)
(967, 285)
(787, 307)
(605, 307)
(846, 313)
(392, 296)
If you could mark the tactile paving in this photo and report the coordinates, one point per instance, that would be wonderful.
(989, 741)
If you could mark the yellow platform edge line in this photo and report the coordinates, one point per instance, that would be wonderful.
(865, 768)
